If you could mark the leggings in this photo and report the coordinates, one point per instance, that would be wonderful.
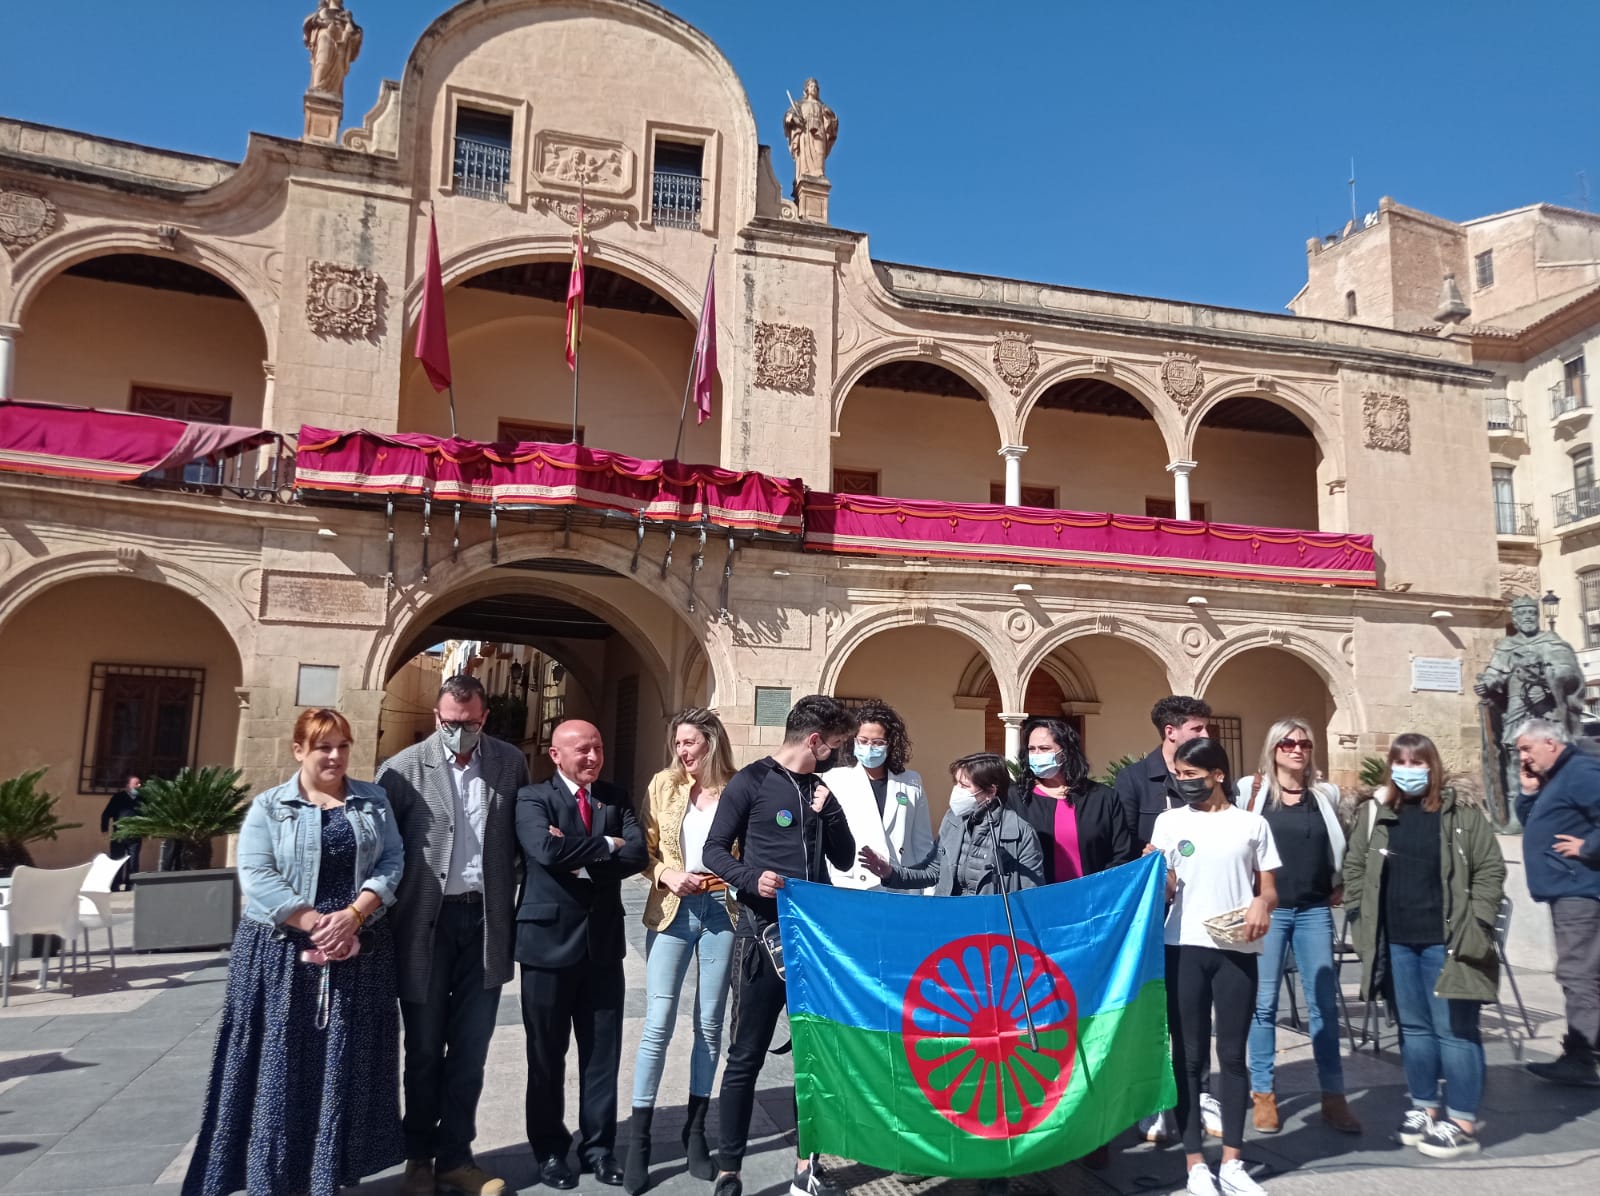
(1200, 980)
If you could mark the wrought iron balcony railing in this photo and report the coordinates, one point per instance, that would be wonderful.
(675, 200)
(482, 169)
(1581, 502)
(1568, 395)
(1513, 518)
(1505, 415)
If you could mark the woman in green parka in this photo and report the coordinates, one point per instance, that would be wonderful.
(1423, 879)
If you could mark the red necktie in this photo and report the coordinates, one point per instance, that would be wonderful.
(584, 812)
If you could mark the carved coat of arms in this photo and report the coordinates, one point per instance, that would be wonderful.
(26, 216)
(342, 300)
(1015, 359)
(786, 358)
(1182, 379)
(1386, 420)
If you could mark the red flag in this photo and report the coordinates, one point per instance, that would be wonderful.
(575, 295)
(705, 348)
(433, 342)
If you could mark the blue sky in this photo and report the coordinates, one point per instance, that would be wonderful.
(1175, 149)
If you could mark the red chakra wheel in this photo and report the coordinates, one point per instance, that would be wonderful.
(966, 1034)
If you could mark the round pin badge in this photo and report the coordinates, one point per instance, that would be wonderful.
(784, 818)
(1185, 849)
(902, 799)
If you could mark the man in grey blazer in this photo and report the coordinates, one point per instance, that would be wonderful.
(455, 800)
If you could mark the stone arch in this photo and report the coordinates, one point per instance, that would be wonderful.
(863, 626)
(956, 361)
(1287, 396)
(1064, 668)
(1335, 672)
(473, 576)
(227, 606)
(1161, 411)
(1144, 635)
(41, 265)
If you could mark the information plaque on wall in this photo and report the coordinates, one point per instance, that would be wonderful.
(1438, 674)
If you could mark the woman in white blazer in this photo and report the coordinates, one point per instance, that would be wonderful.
(882, 799)
(1302, 812)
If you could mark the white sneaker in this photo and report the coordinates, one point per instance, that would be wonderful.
(1200, 1181)
(1211, 1114)
(1234, 1180)
(1163, 1127)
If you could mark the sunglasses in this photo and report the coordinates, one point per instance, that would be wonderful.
(1295, 745)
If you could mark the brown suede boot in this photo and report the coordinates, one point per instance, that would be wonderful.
(1266, 1116)
(1336, 1112)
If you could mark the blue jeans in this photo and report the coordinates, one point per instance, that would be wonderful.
(1439, 1038)
(700, 927)
(1310, 933)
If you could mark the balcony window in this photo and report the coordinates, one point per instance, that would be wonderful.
(1166, 508)
(1572, 392)
(1504, 415)
(856, 481)
(483, 154)
(517, 431)
(192, 407)
(676, 184)
(1589, 586)
(1511, 518)
(1483, 268)
(1031, 496)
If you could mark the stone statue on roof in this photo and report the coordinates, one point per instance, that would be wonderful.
(334, 40)
(812, 127)
(1533, 674)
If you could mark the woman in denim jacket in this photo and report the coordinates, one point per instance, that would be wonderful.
(305, 1082)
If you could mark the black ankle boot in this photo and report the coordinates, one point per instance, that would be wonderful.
(636, 1171)
(701, 1165)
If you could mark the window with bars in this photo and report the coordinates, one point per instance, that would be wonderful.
(1228, 730)
(855, 481)
(676, 184)
(1589, 587)
(1031, 496)
(482, 167)
(141, 718)
(1483, 268)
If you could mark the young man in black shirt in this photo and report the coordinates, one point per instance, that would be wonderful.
(786, 825)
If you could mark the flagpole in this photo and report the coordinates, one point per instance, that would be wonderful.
(694, 362)
(452, 411)
(577, 348)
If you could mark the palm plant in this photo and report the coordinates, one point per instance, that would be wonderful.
(192, 809)
(1116, 766)
(1372, 769)
(27, 815)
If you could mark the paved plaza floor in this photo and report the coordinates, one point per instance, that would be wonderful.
(100, 1092)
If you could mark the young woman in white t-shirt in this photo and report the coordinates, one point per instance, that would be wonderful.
(1219, 859)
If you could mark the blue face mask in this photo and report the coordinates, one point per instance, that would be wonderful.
(874, 756)
(1044, 764)
(1410, 779)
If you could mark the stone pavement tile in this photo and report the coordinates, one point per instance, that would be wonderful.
(54, 1101)
(19, 1152)
(50, 1032)
(89, 1170)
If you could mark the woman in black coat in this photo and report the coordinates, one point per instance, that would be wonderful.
(1080, 822)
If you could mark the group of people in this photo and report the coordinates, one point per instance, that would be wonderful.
(372, 905)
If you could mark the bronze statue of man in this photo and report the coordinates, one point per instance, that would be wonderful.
(1532, 674)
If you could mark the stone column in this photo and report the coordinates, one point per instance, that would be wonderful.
(1013, 724)
(8, 357)
(269, 371)
(1180, 471)
(1012, 453)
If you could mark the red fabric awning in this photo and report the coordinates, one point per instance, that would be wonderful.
(549, 475)
(109, 446)
(857, 523)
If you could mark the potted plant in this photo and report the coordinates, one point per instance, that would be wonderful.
(196, 905)
(27, 815)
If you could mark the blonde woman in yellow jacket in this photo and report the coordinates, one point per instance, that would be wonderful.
(687, 915)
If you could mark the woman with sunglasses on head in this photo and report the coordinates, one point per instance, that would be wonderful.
(1423, 881)
(1303, 814)
(688, 917)
(1220, 862)
(1079, 821)
(882, 798)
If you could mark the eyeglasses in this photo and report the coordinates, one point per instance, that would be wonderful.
(1295, 745)
(461, 725)
(872, 743)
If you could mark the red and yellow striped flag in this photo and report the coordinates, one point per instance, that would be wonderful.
(575, 295)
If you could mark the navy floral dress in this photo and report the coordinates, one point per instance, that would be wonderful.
(292, 1108)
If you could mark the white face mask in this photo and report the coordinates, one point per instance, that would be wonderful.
(962, 801)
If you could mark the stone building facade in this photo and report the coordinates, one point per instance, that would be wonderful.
(189, 616)
(1526, 301)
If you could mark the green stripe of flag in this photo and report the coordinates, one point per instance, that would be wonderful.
(862, 1102)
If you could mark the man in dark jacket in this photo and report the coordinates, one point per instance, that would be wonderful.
(785, 824)
(580, 841)
(1561, 851)
(124, 803)
(1145, 789)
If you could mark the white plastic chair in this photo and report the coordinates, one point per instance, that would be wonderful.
(94, 904)
(43, 901)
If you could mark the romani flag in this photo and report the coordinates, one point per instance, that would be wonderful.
(433, 342)
(575, 295)
(911, 1045)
